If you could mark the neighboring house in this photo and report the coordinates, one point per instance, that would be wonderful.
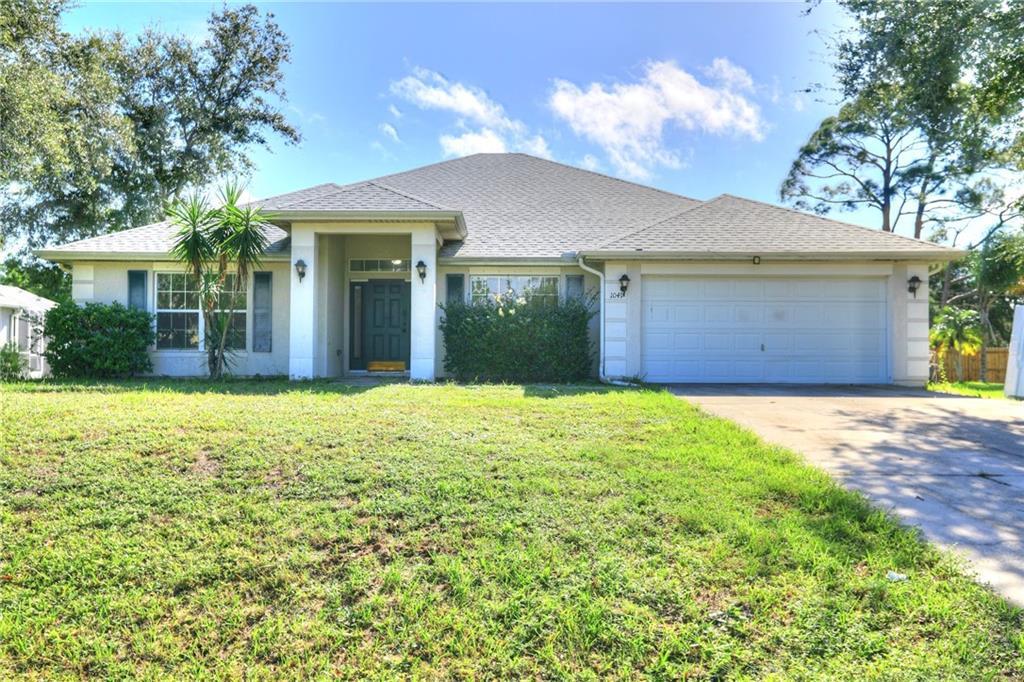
(724, 290)
(21, 324)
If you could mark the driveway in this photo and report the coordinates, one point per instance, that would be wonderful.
(953, 466)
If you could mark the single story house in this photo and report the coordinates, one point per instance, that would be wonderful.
(21, 324)
(723, 290)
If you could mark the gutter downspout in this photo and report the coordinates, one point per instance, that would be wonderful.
(600, 365)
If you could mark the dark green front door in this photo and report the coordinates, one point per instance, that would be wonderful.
(380, 323)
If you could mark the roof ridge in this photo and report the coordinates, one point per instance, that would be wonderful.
(829, 220)
(592, 172)
(407, 195)
(638, 230)
(295, 191)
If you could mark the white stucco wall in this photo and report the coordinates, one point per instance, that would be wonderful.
(107, 282)
(907, 315)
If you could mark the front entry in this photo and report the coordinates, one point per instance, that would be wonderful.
(379, 321)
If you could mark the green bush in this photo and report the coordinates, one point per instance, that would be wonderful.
(12, 365)
(98, 340)
(518, 340)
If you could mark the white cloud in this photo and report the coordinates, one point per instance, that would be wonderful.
(628, 119)
(486, 125)
(798, 103)
(483, 141)
(590, 162)
(395, 111)
(729, 75)
(390, 131)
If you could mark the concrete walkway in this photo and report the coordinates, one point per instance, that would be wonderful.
(953, 466)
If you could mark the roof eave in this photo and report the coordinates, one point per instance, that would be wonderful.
(930, 255)
(404, 216)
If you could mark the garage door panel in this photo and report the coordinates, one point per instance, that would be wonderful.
(802, 330)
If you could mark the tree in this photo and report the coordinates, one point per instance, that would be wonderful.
(220, 247)
(955, 329)
(994, 283)
(921, 120)
(174, 114)
(37, 276)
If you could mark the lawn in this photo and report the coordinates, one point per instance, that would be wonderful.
(976, 389)
(269, 529)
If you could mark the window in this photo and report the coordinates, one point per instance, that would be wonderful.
(455, 286)
(179, 324)
(573, 287)
(379, 265)
(137, 289)
(535, 287)
(177, 311)
(262, 313)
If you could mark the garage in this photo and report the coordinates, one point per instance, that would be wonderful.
(772, 329)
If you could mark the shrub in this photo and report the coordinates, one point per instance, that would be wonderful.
(98, 341)
(12, 365)
(518, 340)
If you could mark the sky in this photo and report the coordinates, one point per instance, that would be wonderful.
(694, 98)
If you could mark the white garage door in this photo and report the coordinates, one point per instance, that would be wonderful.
(747, 330)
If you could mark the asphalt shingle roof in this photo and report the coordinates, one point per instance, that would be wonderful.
(15, 297)
(520, 206)
(731, 224)
(156, 239)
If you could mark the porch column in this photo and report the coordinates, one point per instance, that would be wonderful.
(423, 304)
(302, 308)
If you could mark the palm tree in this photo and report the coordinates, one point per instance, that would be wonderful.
(215, 243)
(957, 329)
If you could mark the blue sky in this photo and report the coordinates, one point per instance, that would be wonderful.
(697, 99)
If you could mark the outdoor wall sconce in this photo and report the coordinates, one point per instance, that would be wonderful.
(913, 284)
(623, 283)
(421, 270)
(300, 268)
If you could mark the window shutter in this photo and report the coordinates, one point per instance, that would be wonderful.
(137, 289)
(573, 287)
(456, 286)
(262, 312)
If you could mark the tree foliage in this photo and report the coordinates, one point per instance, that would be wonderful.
(99, 132)
(924, 126)
(956, 329)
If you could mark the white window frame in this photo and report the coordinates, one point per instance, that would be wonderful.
(201, 347)
(559, 288)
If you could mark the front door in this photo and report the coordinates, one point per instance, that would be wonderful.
(380, 325)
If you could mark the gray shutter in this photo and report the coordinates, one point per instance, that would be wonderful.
(456, 288)
(573, 287)
(262, 311)
(137, 289)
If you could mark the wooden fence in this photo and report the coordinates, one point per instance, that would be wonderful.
(997, 359)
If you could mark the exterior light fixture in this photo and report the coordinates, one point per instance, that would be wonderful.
(623, 283)
(421, 270)
(300, 268)
(913, 284)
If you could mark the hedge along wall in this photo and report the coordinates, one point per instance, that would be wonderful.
(518, 340)
(98, 341)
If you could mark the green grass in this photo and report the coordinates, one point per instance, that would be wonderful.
(976, 389)
(269, 529)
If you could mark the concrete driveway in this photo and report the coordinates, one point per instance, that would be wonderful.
(953, 466)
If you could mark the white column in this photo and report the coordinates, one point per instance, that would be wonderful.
(423, 306)
(302, 309)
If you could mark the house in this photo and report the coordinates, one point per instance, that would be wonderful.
(21, 324)
(723, 290)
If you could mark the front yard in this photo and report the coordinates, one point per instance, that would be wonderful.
(273, 529)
